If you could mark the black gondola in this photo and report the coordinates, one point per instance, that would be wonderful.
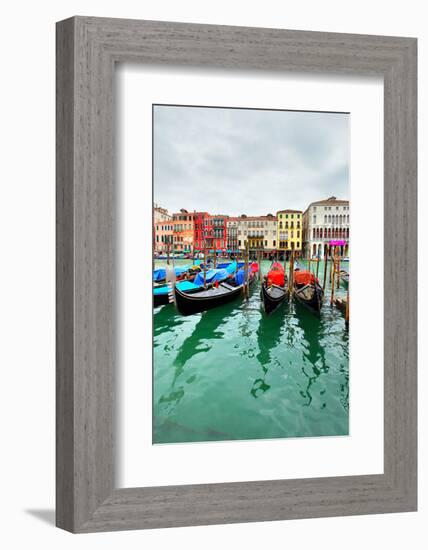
(274, 287)
(204, 299)
(308, 292)
(273, 296)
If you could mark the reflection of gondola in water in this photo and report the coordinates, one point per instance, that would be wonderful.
(307, 290)
(274, 288)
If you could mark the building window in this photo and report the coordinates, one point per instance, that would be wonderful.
(274, 243)
(314, 219)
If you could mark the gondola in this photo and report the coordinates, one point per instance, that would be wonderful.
(219, 294)
(274, 288)
(162, 293)
(308, 291)
(344, 277)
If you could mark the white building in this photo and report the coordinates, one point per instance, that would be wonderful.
(325, 221)
(259, 231)
(160, 214)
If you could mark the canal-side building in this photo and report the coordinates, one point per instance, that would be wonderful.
(324, 221)
(216, 232)
(289, 230)
(161, 214)
(210, 231)
(259, 231)
(183, 222)
(163, 236)
(232, 235)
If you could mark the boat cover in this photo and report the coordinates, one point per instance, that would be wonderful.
(182, 285)
(212, 275)
(304, 278)
(276, 275)
(160, 273)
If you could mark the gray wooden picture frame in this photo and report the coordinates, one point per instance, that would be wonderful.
(87, 51)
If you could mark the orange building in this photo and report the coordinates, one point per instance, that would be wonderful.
(183, 223)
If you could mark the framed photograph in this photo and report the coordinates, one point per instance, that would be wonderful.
(236, 274)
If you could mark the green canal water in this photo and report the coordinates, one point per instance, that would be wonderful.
(234, 373)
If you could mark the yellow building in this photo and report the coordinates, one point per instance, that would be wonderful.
(289, 229)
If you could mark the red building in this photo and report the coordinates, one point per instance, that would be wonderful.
(199, 229)
(210, 231)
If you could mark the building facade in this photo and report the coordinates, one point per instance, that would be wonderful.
(232, 235)
(259, 231)
(163, 236)
(289, 230)
(210, 231)
(183, 222)
(160, 214)
(324, 221)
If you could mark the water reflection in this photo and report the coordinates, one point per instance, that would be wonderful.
(281, 375)
(268, 333)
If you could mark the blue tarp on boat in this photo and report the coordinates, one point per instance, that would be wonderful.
(212, 275)
(182, 285)
(240, 277)
(160, 273)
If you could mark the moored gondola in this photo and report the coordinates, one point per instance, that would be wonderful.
(208, 298)
(307, 290)
(344, 277)
(274, 288)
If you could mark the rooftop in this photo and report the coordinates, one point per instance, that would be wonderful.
(288, 211)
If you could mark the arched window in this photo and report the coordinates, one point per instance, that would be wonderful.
(313, 235)
(325, 218)
(347, 232)
(280, 225)
(347, 218)
(286, 225)
(329, 218)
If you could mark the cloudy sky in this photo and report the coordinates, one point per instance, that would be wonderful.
(242, 161)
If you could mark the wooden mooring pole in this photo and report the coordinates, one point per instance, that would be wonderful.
(332, 277)
(205, 264)
(291, 273)
(247, 252)
(347, 308)
(338, 270)
(325, 268)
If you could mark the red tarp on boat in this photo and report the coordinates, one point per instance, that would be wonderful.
(276, 275)
(304, 278)
(254, 267)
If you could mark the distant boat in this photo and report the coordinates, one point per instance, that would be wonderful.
(274, 287)
(219, 294)
(307, 290)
